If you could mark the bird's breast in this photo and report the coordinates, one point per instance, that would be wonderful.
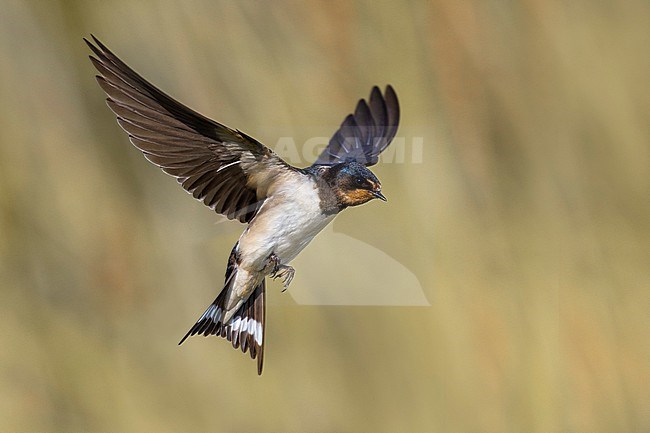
(286, 223)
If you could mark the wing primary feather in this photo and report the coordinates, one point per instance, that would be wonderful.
(392, 107)
(367, 132)
(364, 122)
(184, 143)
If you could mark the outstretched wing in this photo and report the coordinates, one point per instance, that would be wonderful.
(226, 169)
(366, 133)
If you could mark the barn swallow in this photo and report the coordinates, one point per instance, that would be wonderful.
(237, 176)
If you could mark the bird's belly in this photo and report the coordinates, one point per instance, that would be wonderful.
(283, 227)
(297, 236)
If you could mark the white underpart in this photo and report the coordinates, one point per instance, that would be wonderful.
(285, 224)
(288, 220)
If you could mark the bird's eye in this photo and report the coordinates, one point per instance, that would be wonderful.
(359, 181)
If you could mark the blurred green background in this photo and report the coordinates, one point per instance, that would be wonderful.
(527, 223)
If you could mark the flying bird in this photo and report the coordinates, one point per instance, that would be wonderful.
(237, 176)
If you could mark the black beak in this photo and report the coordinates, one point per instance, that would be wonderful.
(379, 195)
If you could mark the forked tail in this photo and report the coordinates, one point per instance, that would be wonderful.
(245, 329)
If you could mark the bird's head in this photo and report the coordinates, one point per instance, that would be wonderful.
(354, 184)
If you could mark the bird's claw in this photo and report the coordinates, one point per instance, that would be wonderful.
(278, 270)
(286, 273)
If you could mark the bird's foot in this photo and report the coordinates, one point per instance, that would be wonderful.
(285, 272)
(278, 270)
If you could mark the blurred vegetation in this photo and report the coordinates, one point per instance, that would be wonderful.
(527, 223)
